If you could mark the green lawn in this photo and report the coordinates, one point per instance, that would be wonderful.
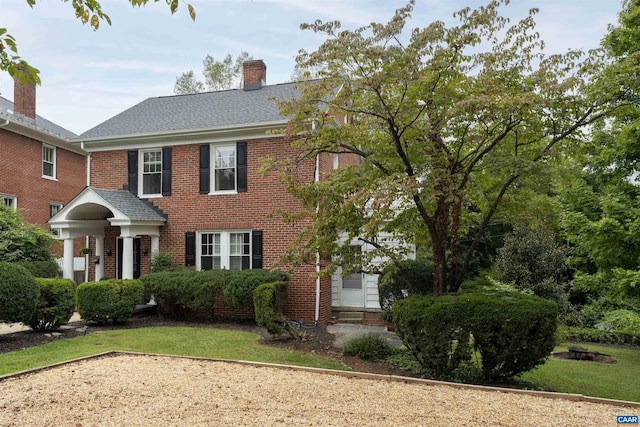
(185, 341)
(620, 380)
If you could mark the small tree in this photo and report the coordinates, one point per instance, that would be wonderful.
(532, 259)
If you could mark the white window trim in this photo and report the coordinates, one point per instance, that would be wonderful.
(12, 197)
(141, 173)
(60, 206)
(225, 246)
(54, 162)
(212, 168)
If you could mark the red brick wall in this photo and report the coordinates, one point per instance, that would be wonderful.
(190, 211)
(21, 175)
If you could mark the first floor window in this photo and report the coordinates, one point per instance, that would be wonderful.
(48, 161)
(11, 201)
(151, 172)
(229, 250)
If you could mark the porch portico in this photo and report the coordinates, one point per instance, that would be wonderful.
(92, 211)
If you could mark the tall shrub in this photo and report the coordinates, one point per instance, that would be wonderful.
(267, 301)
(18, 293)
(55, 305)
(105, 300)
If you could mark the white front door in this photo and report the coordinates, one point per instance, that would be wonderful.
(352, 290)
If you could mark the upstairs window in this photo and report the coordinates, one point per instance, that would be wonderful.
(10, 201)
(48, 161)
(151, 176)
(224, 167)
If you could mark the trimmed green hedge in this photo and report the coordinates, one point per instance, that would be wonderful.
(512, 332)
(198, 290)
(268, 299)
(105, 300)
(18, 293)
(48, 269)
(55, 305)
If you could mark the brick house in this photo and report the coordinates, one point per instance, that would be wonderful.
(40, 170)
(180, 174)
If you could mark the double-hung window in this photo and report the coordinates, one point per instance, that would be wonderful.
(229, 250)
(10, 201)
(48, 161)
(151, 176)
(224, 167)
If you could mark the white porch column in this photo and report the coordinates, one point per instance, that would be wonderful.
(67, 265)
(100, 254)
(127, 257)
(155, 245)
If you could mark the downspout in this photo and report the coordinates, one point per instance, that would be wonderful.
(317, 179)
(86, 245)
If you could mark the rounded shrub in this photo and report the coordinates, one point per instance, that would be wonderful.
(435, 331)
(18, 293)
(369, 347)
(105, 300)
(403, 279)
(237, 290)
(268, 299)
(55, 305)
(512, 332)
(48, 269)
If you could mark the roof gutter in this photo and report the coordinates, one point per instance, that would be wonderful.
(29, 132)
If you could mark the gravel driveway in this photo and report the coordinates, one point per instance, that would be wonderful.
(135, 390)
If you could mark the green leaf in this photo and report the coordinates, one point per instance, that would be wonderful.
(192, 12)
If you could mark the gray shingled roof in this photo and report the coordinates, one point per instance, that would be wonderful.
(130, 205)
(40, 123)
(198, 111)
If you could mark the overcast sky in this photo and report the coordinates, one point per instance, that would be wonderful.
(89, 76)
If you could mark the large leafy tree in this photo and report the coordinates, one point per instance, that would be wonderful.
(87, 11)
(601, 215)
(448, 122)
(218, 75)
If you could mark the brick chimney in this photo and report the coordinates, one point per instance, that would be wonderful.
(254, 74)
(24, 98)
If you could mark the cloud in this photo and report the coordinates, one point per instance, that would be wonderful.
(130, 65)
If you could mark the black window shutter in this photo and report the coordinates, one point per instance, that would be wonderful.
(166, 171)
(205, 181)
(132, 168)
(241, 164)
(256, 249)
(190, 248)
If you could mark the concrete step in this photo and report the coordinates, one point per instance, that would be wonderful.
(353, 317)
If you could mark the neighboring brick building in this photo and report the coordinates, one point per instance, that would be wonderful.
(40, 170)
